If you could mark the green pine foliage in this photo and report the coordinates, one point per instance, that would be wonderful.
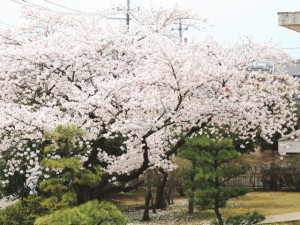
(23, 212)
(66, 172)
(90, 213)
(214, 163)
(63, 138)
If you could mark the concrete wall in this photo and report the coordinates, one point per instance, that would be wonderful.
(289, 20)
(288, 147)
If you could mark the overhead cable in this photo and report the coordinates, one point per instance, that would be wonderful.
(74, 10)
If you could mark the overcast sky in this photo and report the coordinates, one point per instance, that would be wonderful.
(230, 19)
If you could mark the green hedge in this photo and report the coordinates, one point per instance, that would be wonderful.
(90, 213)
(23, 212)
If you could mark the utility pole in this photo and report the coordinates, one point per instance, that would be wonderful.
(180, 29)
(127, 15)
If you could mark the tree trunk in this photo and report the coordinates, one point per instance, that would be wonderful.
(180, 191)
(219, 216)
(217, 196)
(153, 205)
(273, 182)
(172, 197)
(168, 195)
(148, 197)
(191, 197)
(216, 209)
(191, 207)
(273, 177)
(160, 191)
(83, 194)
(254, 181)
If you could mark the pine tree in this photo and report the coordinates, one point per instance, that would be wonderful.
(214, 163)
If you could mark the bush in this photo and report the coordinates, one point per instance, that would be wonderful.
(247, 219)
(29, 211)
(23, 212)
(90, 213)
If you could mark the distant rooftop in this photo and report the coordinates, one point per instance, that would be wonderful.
(293, 69)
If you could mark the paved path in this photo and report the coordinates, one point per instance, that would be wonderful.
(282, 218)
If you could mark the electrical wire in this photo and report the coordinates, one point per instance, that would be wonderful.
(78, 13)
(142, 7)
(33, 4)
(6, 24)
(153, 4)
(74, 10)
(292, 48)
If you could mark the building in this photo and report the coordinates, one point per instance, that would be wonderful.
(289, 143)
(290, 20)
(293, 69)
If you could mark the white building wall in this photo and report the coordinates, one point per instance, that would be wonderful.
(288, 147)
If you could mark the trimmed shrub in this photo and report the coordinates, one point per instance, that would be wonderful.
(247, 219)
(23, 212)
(90, 213)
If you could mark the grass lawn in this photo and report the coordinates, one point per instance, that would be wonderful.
(128, 199)
(266, 203)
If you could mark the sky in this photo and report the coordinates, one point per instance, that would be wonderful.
(229, 20)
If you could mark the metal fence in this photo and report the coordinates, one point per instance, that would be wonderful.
(247, 180)
(283, 181)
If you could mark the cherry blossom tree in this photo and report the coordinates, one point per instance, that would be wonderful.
(138, 85)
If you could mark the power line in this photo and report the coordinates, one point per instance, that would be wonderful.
(33, 4)
(28, 3)
(140, 4)
(292, 48)
(135, 6)
(15, 1)
(64, 7)
(6, 24)
(153, 4)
